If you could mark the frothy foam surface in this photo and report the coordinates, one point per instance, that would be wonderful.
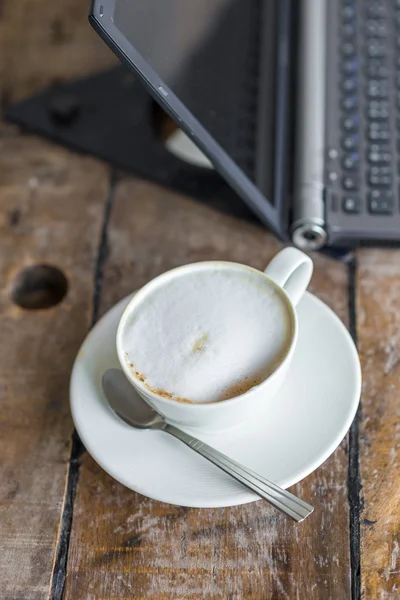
(207, 335)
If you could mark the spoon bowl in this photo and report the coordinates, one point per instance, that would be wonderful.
(127, 403)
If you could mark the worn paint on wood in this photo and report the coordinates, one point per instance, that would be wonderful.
(378, 310)
(126, 546)
(51, 210)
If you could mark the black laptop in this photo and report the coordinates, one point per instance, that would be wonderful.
(293, 101)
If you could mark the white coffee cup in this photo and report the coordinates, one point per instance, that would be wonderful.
(290, 272)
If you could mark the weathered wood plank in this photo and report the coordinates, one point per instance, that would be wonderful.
(51, 211)
(126, 546)
(378, 328)
(46, 42)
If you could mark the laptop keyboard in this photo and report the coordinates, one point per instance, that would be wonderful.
(369, 64)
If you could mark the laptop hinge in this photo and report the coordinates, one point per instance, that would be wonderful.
(308, 227)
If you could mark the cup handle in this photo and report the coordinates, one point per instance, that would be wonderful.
(291, 269)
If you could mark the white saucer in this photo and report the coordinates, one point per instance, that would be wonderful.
(300, 428)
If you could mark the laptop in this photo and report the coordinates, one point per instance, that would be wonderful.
(294, 103)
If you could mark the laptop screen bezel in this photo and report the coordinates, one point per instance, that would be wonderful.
(272, 214)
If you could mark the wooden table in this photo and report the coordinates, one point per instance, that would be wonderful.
(67, 530)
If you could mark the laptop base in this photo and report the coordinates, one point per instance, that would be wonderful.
(81, 116)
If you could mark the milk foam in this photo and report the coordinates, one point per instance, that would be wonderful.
(208, 335)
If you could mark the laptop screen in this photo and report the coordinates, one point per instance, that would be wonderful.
(211, 54)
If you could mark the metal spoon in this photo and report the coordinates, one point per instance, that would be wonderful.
(130, 407)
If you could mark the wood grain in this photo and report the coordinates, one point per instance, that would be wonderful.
(378, 309)
(126, 546)
(122, 545)
(51, 211)
(43, 42)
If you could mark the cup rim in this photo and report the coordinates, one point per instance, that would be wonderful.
(155, 282)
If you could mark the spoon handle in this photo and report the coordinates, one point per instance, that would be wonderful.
(283, 500)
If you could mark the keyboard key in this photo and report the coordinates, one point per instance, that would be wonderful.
(348, 49)
(332, 153)
(348, 30)
(375, 48)
(350, 66)
(379, 125)
(376, 9)
(381, 170)
(350, 103)
(351, 123)
(348, 12)
(350, 142)
(378, 135)
(380, 202)
(349, 85)
(379, 155)
(351, 205)
(374, 135)
(377, 69)
(378, 110)
(350, 182)
(332, 176)
(378, 89)
(376, 28)
(380, 177)
(351, 162)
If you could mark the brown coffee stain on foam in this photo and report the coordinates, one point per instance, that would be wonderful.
(241, 387)
(168, 395)
(247, 383)
(158, 391)
(200, 343)
(237, 389)
(137, 374)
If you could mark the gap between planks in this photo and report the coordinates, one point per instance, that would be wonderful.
(61, 555)
(354, 477)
